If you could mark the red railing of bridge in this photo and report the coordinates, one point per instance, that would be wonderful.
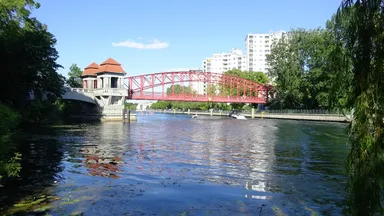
(231, 89)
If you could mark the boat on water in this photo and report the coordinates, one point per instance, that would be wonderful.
(241, 117)
(236, 114)
(195, 116)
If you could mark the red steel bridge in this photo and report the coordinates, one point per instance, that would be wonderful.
(229, 89)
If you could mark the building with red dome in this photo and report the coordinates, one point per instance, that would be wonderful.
(106, 82)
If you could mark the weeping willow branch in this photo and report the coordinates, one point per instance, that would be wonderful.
(360, 27)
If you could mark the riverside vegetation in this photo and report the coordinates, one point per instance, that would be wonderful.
(28, 61)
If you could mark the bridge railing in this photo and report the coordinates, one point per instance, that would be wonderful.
(305, 111)
(81, 90)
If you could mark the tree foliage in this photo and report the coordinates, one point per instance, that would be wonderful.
(360, 27)
(28, 56)
(28, 65)
(303, 65)
(16, 12)
(9, 162)
(258, 77)
(130, 106)
(74, 76)
(179, 89)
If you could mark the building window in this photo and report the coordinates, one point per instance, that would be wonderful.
(114, 82)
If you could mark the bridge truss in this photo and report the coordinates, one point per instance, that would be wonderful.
(228, 89)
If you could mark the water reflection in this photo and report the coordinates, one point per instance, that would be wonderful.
(104, 148)
(310, 160)
(169, 160)
(42, 156)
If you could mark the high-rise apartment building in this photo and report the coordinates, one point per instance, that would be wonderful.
(222, 62)
(257, 46)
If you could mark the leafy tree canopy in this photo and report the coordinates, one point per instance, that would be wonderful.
(28, 56)
(179, 89)
(304, 65)
(74, 75)
(258, 77)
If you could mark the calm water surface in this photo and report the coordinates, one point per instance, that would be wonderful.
(173, 165)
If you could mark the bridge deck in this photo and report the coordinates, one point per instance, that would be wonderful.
(199, 98)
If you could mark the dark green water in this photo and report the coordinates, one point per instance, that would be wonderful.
(174, 165)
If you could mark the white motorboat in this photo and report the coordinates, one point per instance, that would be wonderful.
(241, 117)
(195, 116)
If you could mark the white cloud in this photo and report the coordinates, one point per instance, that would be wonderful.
(155, 44)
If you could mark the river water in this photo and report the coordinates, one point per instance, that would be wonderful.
(166, 164)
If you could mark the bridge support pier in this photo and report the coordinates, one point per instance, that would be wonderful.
(253, 113)
(128, 116)
(211, 111)
(189, 111)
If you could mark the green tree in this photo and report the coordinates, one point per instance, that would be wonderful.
(303, 65)
(284, 69)
(28, 61)
(161, 105)
(179, 89)
(15, 11)
(74, 77)
(258, 77)
(339, 61)
(131, 106)
(28, 58)
(360, 27)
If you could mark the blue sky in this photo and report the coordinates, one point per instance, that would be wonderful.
(158, 35)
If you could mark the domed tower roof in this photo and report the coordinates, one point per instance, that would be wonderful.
(110, 65)
(90, 70)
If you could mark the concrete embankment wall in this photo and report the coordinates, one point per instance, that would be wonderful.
(305, 117)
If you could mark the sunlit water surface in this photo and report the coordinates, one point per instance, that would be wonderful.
(174, 165)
